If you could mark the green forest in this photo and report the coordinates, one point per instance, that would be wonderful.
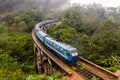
(93, 29)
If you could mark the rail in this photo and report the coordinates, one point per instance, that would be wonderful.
(97, 71)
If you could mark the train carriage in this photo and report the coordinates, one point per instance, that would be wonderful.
(41, 35)
(62, 49)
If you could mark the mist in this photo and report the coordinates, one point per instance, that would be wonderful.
(45, 5)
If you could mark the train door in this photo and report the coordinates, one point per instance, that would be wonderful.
(69, 57)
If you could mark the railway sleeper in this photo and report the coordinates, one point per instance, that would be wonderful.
(86, 73)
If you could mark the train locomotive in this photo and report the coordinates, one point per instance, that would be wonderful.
(66, 51)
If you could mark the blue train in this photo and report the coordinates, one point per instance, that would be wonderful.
(66, 51)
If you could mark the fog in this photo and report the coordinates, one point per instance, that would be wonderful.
(11, 5)
(105, 3)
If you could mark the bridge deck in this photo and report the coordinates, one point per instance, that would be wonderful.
(105, 74)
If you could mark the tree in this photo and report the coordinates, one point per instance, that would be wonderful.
(3, 27)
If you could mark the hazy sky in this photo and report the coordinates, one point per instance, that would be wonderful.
(105, 3)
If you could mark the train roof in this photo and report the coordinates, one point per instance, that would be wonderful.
(39, 25)
(61, 44)
(41, 33)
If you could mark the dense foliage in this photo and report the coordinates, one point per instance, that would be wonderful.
(16, 49)
(94, 31)
(17, 19)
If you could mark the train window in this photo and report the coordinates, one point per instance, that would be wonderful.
(73, 51)
(67, 54)
(53, 45)
(61, 50)
(57, 47)
(46, 40)
(40, 36)
(50, 44)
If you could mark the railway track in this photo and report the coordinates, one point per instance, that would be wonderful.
(90, 70)
(85, 70)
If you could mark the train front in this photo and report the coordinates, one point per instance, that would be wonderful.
(75, 54)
